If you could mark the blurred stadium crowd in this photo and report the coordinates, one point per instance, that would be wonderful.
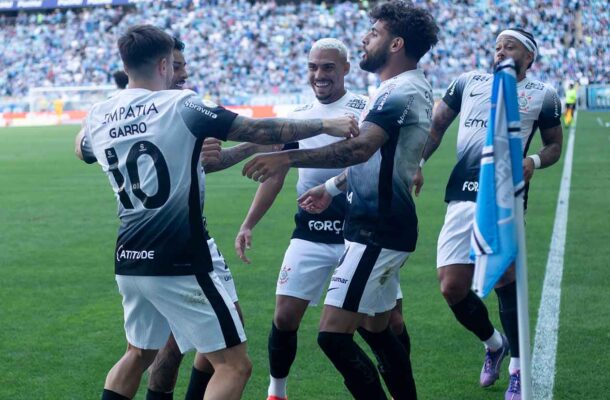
(239, 49)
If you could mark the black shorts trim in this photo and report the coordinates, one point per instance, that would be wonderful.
(360, 278)
(227, 325)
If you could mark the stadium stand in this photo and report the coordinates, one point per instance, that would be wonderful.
(242, 52)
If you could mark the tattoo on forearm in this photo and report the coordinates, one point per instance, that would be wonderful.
(231, 156)
(274, 130)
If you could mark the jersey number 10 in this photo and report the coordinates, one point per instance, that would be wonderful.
(137, 150)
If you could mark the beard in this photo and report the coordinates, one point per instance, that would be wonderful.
(374, 61)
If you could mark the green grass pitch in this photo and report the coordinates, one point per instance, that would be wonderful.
(60, 311)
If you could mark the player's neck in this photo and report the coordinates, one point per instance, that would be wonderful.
(521, 77)
(393, 68)
(147, 84)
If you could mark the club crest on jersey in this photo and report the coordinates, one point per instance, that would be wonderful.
(524, 101)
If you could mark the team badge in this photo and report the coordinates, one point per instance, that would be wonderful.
(524, 102)
(284, 274)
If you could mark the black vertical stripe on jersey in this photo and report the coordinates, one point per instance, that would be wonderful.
(227, 324)
(385, 186)
(202, 260)
(527, 147)
(360, 278)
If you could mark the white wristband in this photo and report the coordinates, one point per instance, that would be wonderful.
(421, 163)
(536, 159)
(331, 187)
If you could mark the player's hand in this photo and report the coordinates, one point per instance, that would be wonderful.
(262, 167)
(346, 126)
(315, 200)
(210, 151)
(418, 181)
(243, 241)
(528, 169)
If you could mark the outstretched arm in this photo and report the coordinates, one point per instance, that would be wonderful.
(263, 200)
(214, 158)
(283, 130)
(337, 155)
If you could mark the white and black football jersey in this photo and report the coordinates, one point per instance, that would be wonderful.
(326, 227)
(381, 210)
(470, 95)
(148, 143)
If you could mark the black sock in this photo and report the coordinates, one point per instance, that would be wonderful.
(394, 363)
(472, 313)
(282, 348)
(152, 395)
(359, 373)
(404, 339)
(507, 303)
(110, 395)
(197, 385)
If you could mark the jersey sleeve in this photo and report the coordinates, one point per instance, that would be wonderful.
(453, 95)
(392, 109)
(550, 112)
(87, 151)
(206, 119)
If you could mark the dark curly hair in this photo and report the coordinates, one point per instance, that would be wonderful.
(415, 25)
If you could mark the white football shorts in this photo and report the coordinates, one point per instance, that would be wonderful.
(222, 270)
(454, 239)
(306, 269)
(367, 280)
(195, 308)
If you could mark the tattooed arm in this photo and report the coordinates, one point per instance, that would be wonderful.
(337, 155)
(282, 130)
(214, 158)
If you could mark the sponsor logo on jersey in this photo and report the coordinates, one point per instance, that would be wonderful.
(405, 112)
(132, 111)
(476, 94)
(283, 278)
(475, 123)
(358, 104)
(122, 254)
(200, 109)
(338, 279)
(196, 297)
(470, 186)
(481, 78)
(534, 85)
(329, 226)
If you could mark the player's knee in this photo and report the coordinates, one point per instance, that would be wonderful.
(238, 369)
(286, 321)
(143, 357)
(396, 323)
(454, 291)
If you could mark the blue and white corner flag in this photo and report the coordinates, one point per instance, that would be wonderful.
(494, 238)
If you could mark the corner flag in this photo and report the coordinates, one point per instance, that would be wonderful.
(494, 240)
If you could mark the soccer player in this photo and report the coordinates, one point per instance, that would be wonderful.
(317, 241)
(120, 79)
(164, 370)
(148, 140)
(469, 96)
(381, 224)
(571, 96)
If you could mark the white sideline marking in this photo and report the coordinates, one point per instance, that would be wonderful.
(547, 327)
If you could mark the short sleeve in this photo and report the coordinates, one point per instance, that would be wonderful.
(550, 113)
(87, 151)
(205, 118)
(393, 108)
(453, 95)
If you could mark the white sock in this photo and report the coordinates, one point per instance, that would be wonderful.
(494, 342)
(277, 387)
(514, 366)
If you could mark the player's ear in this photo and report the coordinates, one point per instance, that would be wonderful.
(397, 44)
(346, 68)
